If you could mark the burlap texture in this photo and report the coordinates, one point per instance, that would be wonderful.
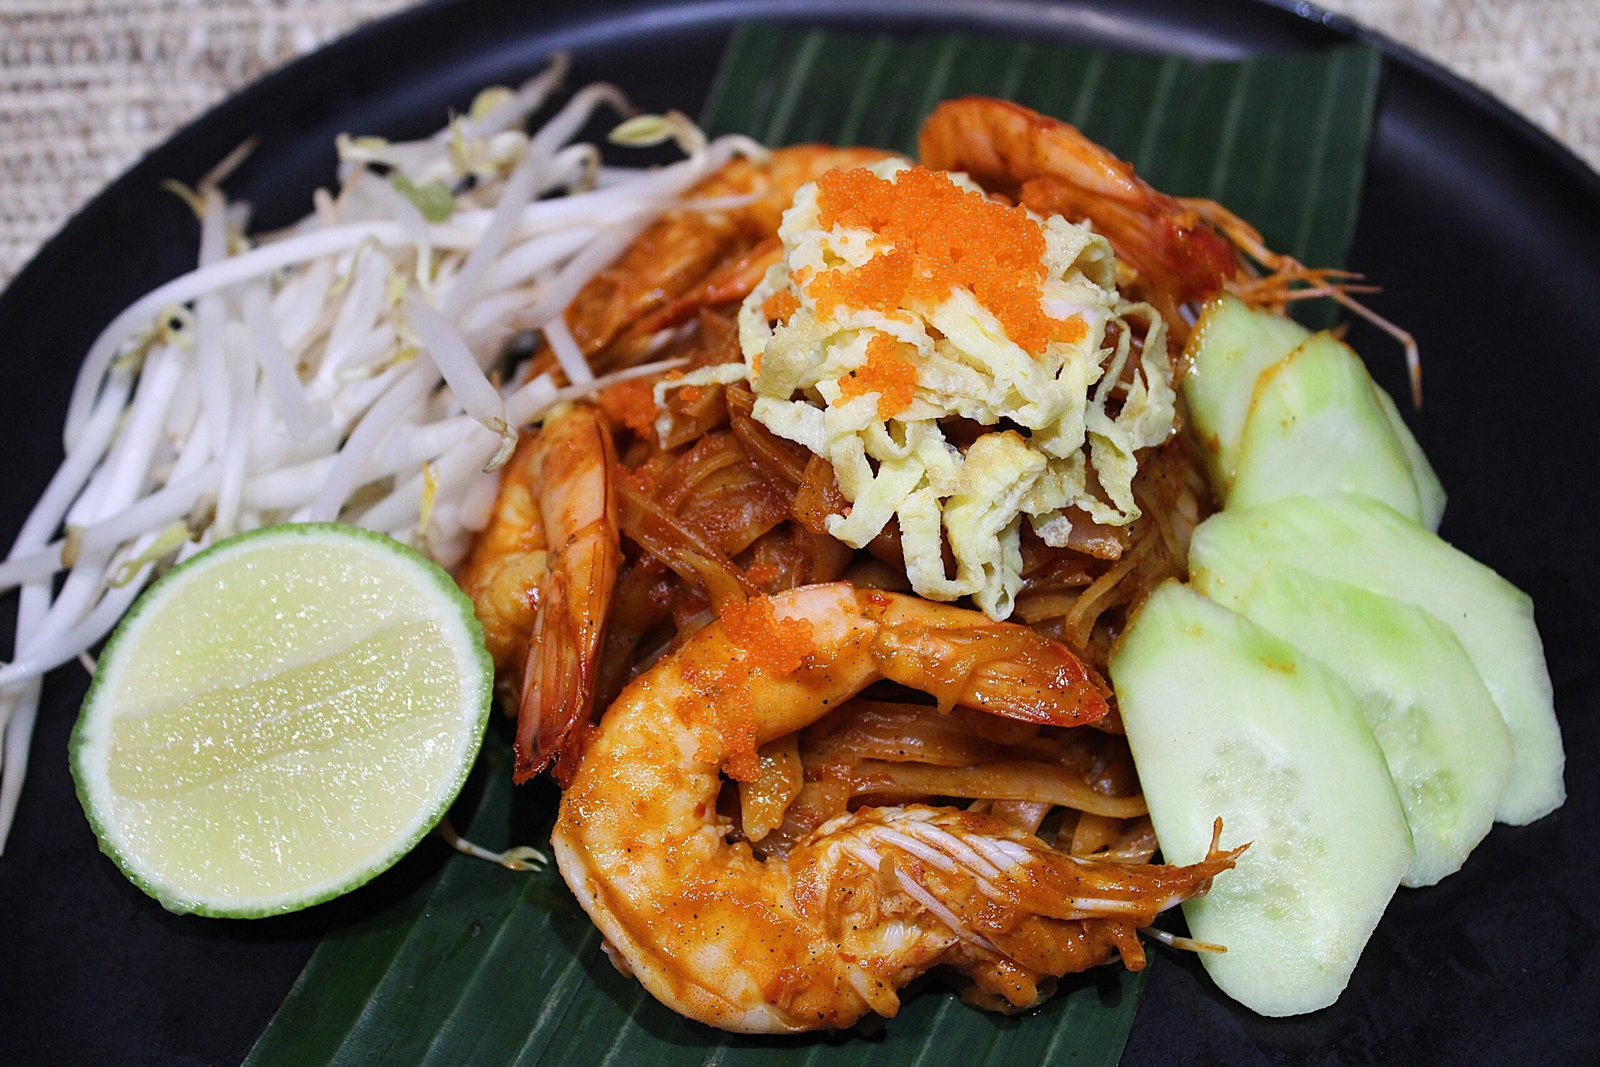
(87, 86)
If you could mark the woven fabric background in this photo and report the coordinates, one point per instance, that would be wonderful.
(87, 86)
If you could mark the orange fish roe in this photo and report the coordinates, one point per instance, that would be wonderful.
(763, 573)
(780, 306)
(887, 373)
(735, 730)
(740, 760)
(944, 236)
(1071, 330)
(632, 404)
(778, 646)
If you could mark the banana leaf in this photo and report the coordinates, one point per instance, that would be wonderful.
(1278, 140)
(479, 964)
(461, 961)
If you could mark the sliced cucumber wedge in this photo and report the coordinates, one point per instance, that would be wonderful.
(1430, 491)
(1447, 749)
(1314, 427)
(1224, 719)
(1355, 539)
(1228, 348)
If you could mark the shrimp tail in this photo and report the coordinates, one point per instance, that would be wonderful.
(558, 683)
(1003, 669)
(564, 491)
(549, 708)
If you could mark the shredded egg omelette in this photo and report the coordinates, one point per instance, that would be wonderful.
(906, 299)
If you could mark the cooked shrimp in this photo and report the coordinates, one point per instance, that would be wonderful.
(1053, 169)
(692, 259)
(872, 898)
(541, 577)
(1183, 249)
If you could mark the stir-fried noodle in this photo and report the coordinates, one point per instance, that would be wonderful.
(367, 366)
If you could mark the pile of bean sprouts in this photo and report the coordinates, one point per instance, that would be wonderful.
(351, 368)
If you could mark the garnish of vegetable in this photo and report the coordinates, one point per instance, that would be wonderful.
(1229, 347)
(352, 368)
(281, 718)
(1227, 720)
(1315, 427)
(1325, 551)
(1354, 539)
(1278, 412)
(1447, 749)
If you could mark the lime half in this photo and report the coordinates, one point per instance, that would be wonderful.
(281, 718)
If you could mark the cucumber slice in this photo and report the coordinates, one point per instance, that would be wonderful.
(1355, 539)
(1228, 348)
(1224, 719)
(1447, 749)
(1430, 491)
(1315, 427)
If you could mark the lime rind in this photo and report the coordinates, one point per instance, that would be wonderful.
(91, 734)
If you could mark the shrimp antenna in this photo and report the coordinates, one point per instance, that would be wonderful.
(1407, 341)
(1334, 284)
(1182, 944)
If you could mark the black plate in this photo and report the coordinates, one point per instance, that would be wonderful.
(1484, 233)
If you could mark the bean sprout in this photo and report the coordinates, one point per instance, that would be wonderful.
(351, 367)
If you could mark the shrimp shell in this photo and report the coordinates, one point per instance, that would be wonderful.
(872, 898)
